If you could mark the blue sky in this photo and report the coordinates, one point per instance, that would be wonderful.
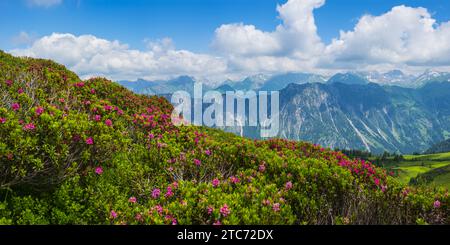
(192, 25)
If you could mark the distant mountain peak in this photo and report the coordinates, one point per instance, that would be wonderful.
(348, 78)
(259, 77)
(397, 73)
(431, 75)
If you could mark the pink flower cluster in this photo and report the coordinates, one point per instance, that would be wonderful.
(79, 84)
(156, 193)
(276, 207)
(288, 185)
(169, 192)
(159, 209)
(208, 152)
(39, 111)
(108, 122)
(15, 106)
(107, 107)
(437, 204)
(113, 214)
(29, 127)
(234, 180)
(90, 141)
(99, 170)
(262, 168)
(365, 170)
(197, 162)
(215, 182)
(225, 210)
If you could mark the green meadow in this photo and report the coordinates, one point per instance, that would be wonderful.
(433, 169)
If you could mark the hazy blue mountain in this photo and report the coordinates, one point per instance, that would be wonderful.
(249, 83)
(348, 78)
(398, 78)
(139, 86)
(185, 83)
(431, 76)
(275, 82)
(224, 88)
(279, 82)
(393, 77)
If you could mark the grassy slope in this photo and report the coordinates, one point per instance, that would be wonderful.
(413, 165)
(437, 156)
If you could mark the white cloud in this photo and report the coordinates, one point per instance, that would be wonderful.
(92, 56)
(240, 39)
(293, 45)
(44, 3)
(402, 36)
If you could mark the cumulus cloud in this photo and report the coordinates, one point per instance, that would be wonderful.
(294, 42)
(240, 39)
(402, 36)
(44, 3)
(89, 55)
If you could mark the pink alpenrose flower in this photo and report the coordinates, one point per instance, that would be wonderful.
(437, 204)
(288, 185)
(113, 214)
(197, 162)
(108, 122)
(215, 182)
(15, 106)
(225, 210)
(99, 170)
(89, 141)
(156, 193)
(29, 127)
(39, 111)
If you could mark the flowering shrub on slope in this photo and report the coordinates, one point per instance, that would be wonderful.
(92, 152)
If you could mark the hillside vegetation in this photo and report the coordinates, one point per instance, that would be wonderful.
(425, 170)
(440, 147)
(92, 152)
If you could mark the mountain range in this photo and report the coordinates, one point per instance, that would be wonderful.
(371, 111)
(370, 117)
(280, 81)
